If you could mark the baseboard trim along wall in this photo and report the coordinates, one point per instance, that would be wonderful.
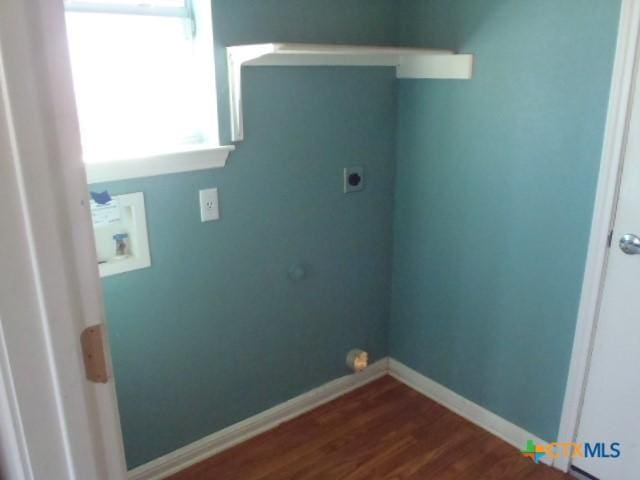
(195, 452)
(191, 454)
(498, 426)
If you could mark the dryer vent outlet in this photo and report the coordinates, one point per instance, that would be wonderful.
(357, 360)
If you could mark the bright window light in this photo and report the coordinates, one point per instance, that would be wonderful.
(139, 79)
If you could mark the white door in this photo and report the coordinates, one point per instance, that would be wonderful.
(611, 410)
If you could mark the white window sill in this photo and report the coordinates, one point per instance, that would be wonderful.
(189, 159)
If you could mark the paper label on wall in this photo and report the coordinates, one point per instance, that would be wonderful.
(105, 210)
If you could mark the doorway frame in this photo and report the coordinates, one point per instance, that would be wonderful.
(40, 137)
(625, 71)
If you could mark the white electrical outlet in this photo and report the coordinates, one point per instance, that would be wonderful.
(209, 205)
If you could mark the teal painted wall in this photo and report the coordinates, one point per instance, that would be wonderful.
(495, 183)
(215, 331)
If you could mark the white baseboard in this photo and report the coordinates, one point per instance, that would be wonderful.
(191, 454)
(473, 412)
(195, 452)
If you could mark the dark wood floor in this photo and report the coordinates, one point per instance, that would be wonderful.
(384, 430)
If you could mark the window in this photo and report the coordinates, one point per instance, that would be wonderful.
(143, 76)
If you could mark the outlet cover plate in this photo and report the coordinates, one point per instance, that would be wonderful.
(209, 209)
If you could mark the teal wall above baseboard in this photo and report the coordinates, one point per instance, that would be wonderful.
(495, 186)
(215, 330)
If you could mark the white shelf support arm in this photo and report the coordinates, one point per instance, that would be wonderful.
(236, 58)
(235, 98)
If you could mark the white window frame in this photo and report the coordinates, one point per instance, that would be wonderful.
(124, 9)
(196, 156)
